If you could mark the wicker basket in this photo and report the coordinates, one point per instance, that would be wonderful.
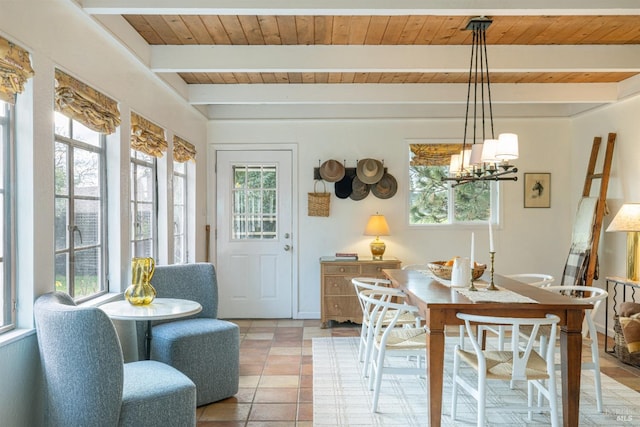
(319, 202)
(442, 271)
(620, 347)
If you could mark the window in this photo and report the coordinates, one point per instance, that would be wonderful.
(254, 202)
(80, 209)
(7, 213)
(433, 201)
(179, 212)
(143, 205)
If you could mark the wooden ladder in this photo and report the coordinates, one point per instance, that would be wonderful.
(601, 205)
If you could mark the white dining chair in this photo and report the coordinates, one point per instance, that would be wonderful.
(381, 288)
(390, 341)
(519, 363)
(539, 280)
(595, 296)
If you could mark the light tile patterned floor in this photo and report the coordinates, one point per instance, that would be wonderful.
(276, 375)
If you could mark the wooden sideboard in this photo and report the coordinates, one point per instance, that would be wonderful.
(339, 301)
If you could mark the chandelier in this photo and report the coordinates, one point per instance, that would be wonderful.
(483, 157)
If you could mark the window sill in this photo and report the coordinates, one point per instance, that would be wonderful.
(102, 299)
(15, 335)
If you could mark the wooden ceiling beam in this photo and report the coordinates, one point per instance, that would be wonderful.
(447, 93)
(387, 59)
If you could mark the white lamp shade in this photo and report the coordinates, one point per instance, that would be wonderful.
(377, 226)
(507, 148)
(489, 151)
(627, 218)
(476, 154)
(454, 166)
(465, 156)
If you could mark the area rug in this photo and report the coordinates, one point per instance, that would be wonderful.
(341, 396)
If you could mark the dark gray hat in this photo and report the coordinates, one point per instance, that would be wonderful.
(386, 187)
(360, 190)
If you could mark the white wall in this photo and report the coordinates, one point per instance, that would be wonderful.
(622, 119)
(58, 35)
(528, 240)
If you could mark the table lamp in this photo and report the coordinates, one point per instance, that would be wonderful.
(628, 219)
(377, 226)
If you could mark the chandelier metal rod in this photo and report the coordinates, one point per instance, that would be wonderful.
(480, 169)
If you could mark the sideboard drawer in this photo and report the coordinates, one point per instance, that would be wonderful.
(343, 269)
(339, 285)
(375, 270)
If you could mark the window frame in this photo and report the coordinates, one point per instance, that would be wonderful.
(7, 127)
(494, 202)
(183, 176)
(102, 244)
(136, 162)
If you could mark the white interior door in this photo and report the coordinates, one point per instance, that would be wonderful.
(254, 242)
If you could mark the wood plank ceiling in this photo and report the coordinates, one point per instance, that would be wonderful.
(237, 30)
(406, 58)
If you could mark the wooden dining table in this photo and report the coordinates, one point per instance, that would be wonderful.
(440, 303)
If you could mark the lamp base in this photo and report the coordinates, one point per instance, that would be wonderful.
(633, 256)
(377, 248)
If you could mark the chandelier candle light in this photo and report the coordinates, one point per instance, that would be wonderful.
(484, 158)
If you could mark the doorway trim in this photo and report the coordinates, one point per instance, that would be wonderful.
(212, 209)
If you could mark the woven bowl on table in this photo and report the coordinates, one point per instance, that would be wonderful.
(442, 271)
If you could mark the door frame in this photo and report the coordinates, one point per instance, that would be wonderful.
(212, 207)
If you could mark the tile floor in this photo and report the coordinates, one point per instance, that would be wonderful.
(276, 378)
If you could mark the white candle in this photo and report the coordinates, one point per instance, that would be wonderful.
(490, 237)
(472, 255)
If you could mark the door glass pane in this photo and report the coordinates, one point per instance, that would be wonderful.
(86, 170)
(84, 134)
(254, 200)
(87, 221)
(144, 221)
(61, 169)
(62, 273)
(144, 180)
(86, 272)
(62, 125)
(61, 221)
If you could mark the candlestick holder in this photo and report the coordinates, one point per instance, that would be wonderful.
(492, 286)
(471, 286)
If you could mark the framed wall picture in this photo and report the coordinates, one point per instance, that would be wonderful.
(537, 190)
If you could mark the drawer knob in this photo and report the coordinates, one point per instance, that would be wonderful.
(341, 269)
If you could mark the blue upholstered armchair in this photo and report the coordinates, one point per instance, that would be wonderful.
(88, 384)
(204, 348)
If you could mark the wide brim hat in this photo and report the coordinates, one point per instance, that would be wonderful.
(343, 188)
(332, 171)
(386, 187)
(359, 190)
(370, 171)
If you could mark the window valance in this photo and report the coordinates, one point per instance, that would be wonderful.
(433, 154)
(183, 151)
(147, 137)
(86, 105)
(15, 70)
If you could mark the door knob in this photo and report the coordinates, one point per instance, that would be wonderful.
(287, 247)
